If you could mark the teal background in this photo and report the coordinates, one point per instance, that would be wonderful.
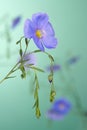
(69, 19)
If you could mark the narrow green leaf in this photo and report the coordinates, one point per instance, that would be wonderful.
(18, 42)
(34, 105)
(22, 61)
(37, 84)
(29, 65)
(38, 69)
(35, 94)
(51, 57)
(37, 51)
(20, 52)
(10, 77)
(26, 41)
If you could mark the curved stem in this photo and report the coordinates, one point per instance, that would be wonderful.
(52, 92)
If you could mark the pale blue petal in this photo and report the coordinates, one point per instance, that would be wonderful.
(54, 115)
(38, 43)
(49, 29)
(50, 42)
(40, 19)
(28, 29)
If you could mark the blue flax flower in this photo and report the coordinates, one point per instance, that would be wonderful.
(30, 59)
(62, 106)
(16, 21)
(41, 31)
(59, 109)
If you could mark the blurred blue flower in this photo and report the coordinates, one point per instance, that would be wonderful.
(30, 59)
(62, 106)
(55, 67)
(41, 31)
(73, 60)
(16, 21)
(54, 115)
(59, 109)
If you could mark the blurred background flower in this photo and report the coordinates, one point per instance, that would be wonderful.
(55, 68)
(52, 114)
(73, 60)
(29, 59)
(16, 21)
(62, 105)
(60, 108)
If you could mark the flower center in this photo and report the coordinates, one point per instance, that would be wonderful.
(61, 106)
(39, 33)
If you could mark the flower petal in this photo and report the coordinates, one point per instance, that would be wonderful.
(28, 29)
(30, 57)
(38, 43)
(41, 31)
(50, 42)
(40, 19)
(62, 106)
(55, 68)
(49, 29)
(53, 115)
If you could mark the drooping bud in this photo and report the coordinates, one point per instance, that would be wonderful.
(38, 114)
(50, 78)
(23, 75)
(52, 95)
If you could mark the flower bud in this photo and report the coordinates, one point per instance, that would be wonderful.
(50, 78)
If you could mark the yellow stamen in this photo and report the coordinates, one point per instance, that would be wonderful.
(39, 33)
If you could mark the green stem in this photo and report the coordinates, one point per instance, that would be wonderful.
(14, 68)
(26, 48)
(36, 51)
(11, 71)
